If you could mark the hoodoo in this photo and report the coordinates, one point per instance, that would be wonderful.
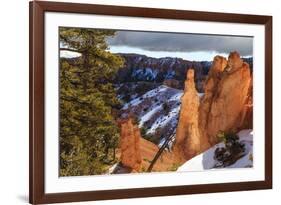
(130, 145)
(188, 143)
(210, 87)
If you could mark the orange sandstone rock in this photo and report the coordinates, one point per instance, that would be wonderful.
(210, 89)
(226, 106)
(229, 97)
(188, 137)
(130, 145)
(247, 114)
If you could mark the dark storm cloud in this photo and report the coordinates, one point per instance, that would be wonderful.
(173, 42)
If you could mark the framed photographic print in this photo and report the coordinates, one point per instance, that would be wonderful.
(139, 102)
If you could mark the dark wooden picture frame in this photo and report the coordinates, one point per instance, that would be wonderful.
(37, 194)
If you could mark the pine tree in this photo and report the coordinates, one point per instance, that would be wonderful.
(88, 131)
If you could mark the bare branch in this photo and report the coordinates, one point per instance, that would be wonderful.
(69, 49)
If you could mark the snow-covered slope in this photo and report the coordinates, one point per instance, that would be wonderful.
(157, 111)
(206, 159)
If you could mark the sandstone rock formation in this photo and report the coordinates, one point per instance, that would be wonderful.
(188, 137)
(130, 145)
(136, 153)
(210, 90)
(229, 98)
(226, 106)
(247, 114)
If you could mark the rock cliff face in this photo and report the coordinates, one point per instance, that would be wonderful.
(247, 114)
(130, 145)
(210, 90)
(229, 98)
(226, 106)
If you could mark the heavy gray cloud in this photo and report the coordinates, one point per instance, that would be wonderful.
(175, 42)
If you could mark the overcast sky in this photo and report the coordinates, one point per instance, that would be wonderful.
(187, 46)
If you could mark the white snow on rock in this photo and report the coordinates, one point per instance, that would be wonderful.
(205, 160)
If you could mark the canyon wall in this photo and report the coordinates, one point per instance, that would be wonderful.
(139, 68)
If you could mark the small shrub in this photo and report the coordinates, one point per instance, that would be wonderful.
(143, 131)
(147, 160)
(174, 167)
(231, 152)
(127, 98)
(143, 169)
(166, 107)
(251, 157)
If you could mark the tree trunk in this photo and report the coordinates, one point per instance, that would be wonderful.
(158, 154)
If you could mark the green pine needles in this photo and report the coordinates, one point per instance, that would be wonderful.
(88, 130)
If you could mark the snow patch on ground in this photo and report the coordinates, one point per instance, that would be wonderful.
(206, 159)
(152, 93)
(149, 114)
(176, 97)
(155, 91)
